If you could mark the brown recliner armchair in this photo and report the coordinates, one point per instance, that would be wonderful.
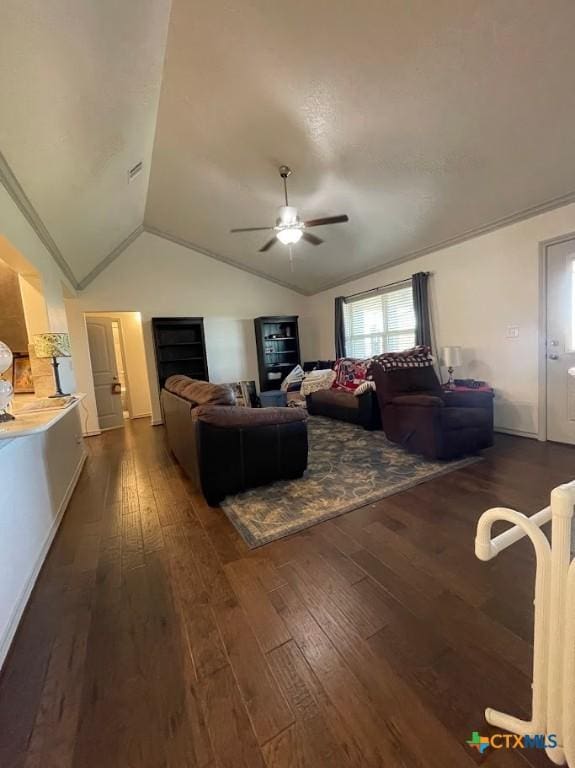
(420, 415)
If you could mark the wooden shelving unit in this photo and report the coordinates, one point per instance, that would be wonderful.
(277, 342)
(180, 347)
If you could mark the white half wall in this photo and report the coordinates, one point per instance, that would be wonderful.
(480, 288)
(160, 278)
(39, 474)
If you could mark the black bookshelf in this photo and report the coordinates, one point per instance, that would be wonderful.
(277, 342)
(180, 347)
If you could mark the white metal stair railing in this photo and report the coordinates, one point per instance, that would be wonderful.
(553, 689)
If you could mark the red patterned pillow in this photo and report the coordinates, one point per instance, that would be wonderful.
(350, 373)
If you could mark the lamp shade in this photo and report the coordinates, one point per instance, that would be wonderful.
(451, 356)
(52, 345)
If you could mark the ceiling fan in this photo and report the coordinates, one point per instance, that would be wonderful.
(289, 228)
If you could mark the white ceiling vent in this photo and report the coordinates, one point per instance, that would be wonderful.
(135, 171)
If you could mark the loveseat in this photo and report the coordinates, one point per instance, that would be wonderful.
(225, 449)
(343, 403)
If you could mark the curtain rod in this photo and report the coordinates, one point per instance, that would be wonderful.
(381, 287)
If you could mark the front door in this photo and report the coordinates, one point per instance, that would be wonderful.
(560, 342)
(105, 372)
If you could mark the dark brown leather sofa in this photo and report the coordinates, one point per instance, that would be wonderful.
(424, 418)
(225, 449)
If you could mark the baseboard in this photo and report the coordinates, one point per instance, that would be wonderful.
(157, 422)
(93, 433)
(141, 415)
(22, 602)
(516, 433)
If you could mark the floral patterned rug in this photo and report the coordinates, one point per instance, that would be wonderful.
(348, 467)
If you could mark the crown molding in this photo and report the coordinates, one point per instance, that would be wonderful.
(112, 256)
(230, 262)
(22, 201)
(470, 234)
(16, 192)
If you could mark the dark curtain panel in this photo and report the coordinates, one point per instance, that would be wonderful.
(339, 327)
(423, 333)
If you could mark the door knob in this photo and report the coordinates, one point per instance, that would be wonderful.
(553, 357)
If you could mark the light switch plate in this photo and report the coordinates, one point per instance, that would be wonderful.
(512, 332)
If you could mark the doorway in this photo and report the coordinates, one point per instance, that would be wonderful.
(560, 341)
(105, 372)
(119, 368)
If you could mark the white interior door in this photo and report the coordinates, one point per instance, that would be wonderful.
(561, 342)
(105, 372)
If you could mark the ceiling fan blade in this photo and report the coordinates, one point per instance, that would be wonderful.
(269, 244)
(311, 238)
(251, 229)
(327, 220)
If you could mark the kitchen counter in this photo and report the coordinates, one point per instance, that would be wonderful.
(29, 423)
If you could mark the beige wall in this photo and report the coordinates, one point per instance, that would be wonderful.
(479, 289)
(34, 304)
(21, 248)
(12, 322)
(82, 364)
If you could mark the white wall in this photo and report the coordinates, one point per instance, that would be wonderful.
(159, 278)
(479, 289)
(82, 364)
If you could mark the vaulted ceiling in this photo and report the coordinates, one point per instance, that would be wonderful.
(424, 121)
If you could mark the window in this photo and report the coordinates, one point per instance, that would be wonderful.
(380, 322)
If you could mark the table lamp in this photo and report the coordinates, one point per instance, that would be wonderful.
(451, 357)
(6, 390)
(53, 345)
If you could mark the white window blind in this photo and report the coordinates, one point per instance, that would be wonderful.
(380, 322)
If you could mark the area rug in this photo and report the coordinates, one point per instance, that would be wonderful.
(348, 467)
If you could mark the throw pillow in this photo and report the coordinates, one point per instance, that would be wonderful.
(350, 373)
(316, 380)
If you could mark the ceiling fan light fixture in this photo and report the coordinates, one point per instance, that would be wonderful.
(290, 235)
(289, 228)
(287, 215)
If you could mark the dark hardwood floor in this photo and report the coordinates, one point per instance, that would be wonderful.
(155, 639)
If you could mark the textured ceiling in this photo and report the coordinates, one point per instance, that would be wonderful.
(79, 89)
(421, 120)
